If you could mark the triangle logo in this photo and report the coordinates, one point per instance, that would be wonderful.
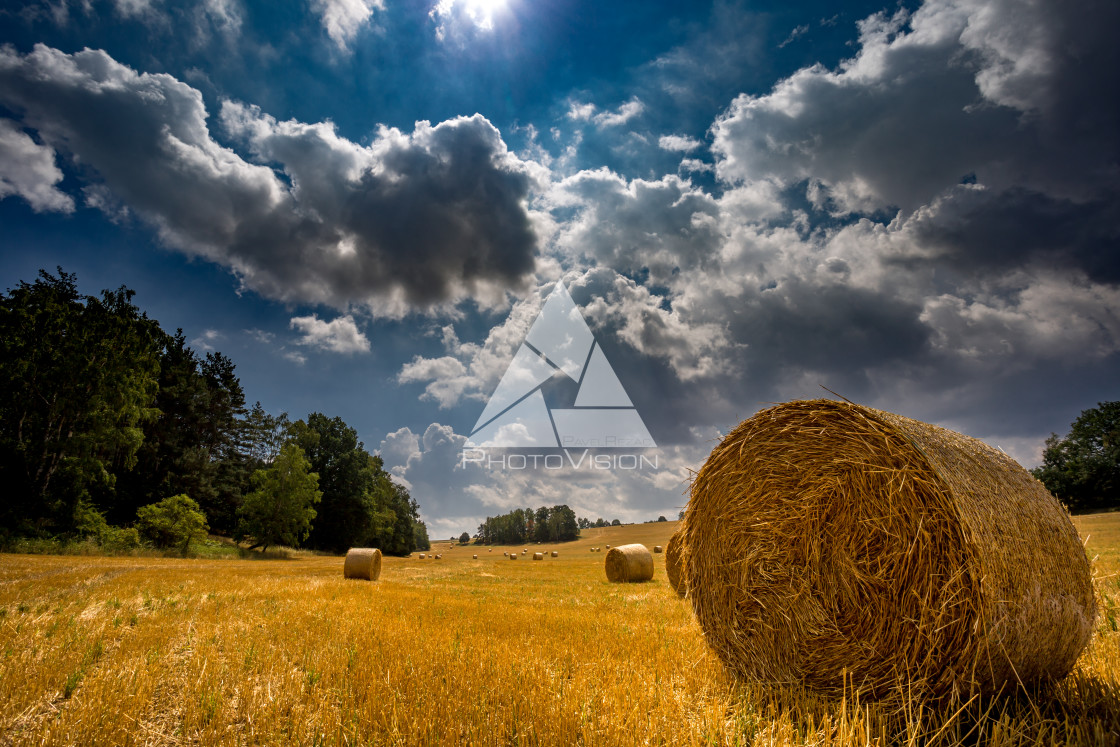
(560, 344)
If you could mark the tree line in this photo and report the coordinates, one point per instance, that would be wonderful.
(1082, 468)
(108, 422)
(556, 524)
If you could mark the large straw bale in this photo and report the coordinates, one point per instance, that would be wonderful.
(829, 544)
(629, 563)
(674, 559)
(363, 563)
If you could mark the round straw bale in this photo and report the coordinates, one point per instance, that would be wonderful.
(656, 549)
(538, 556)
(422, 556)
(362, 562)
(439, 557)
(474, 557)
(674, 559)
(834, 545)
(513, 556)
(629, 563)
(555, 554)
(608, 547)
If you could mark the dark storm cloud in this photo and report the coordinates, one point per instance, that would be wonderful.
(411, 219)
(1012, 95)
(978, 230)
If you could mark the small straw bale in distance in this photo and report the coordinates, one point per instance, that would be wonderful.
(422, 556)
(831, 545)
(674, 559)
(657, 549)
(555, 554)
(363, 563)
(629, 563)
(538, 556)
(513, 556)
(474, 557)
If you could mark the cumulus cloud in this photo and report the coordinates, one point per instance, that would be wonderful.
(28, 170)
(457, 494)
(343, 19)
(581, 112)
(662, 227)
(409, 221)
(339, 335)
(952, 91)
(620, 116)
(681, 143)
(207, 338)
(908, 229)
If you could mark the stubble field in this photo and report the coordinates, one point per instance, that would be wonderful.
(452, 651)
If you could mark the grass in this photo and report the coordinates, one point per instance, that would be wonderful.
(139, 650)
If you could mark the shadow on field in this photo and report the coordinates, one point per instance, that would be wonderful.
(1080, 709)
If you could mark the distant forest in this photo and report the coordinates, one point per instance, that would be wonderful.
(113, 429)
(556, 524)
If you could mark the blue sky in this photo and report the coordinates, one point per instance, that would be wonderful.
(365, 202)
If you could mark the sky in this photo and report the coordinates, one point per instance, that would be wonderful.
(366, 203)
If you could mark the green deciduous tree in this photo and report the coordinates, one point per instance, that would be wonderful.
(194, 445)
(1083, 469)
(281, 507)
(80, 380)
(173, 522)
(361, 505)
(556, 524)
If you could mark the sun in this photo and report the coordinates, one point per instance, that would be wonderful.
(480, 13)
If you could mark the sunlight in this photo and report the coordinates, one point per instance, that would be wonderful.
(480, 13)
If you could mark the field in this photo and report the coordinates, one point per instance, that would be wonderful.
(454, 651)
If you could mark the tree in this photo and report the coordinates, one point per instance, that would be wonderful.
(420, 536)
(661, 518)
(616, 523)
(556, 524)
(80, 379)
(173, 522)
(195, 445)
(1083, 469)
(281, 507)
(464, 538)
(361, 505)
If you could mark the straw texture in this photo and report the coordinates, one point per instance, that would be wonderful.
(629, 563)
(673, 560)
(363, 563)
(829, 544)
